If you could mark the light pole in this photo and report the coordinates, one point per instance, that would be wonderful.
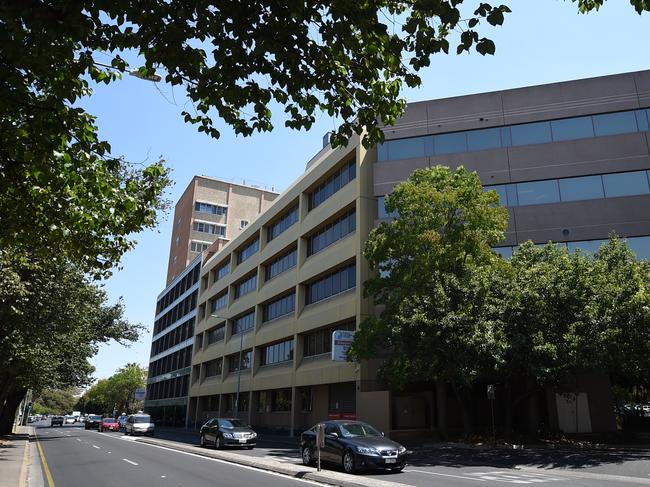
(239, 366)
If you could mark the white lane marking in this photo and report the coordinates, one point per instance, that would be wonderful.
(516, 478)
(108, 452)
(446, 475)
(78, 439)
(129, 461)
(163, 476)
(95, 446)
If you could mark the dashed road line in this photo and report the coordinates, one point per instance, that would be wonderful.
(129, 461)
(95, 446)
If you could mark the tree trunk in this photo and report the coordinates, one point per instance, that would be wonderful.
(464, 410)
(8, 411)
(6, 385)
(441, 408)
(509, 412)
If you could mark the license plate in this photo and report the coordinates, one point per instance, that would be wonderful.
(391, 460)
(242, 440)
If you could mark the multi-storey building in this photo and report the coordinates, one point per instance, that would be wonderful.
(211, 209)
(208, 214)
(571, 162)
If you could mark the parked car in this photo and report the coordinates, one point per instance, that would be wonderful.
(139, 424)
(227, 432)
(56, 421)
(355, 446)
(92, 421)
(70, 420)
(109, 424)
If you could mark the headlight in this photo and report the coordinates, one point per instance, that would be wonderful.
(401, 450)
(367, 451)
(227, 435)
(253, 435)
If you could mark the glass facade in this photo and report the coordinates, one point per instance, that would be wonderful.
(332, 284)
(626, 122)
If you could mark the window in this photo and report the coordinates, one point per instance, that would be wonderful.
(450, 143)
(626, 184)
(221, 272)
(233, 361)
(320, 342)
(243, 224)
(247, 286)
(572, 128)
(280, 307)
(615, 123)
(405, 148)
(281, 400)
(381, 209)
(247, 251)
(483, 139)
(263, 401)
(243, 323)
(531, 133)
(538, 192)
(582, 188)
(198, 246)
(213, 368)
(278, 352)
(216, 334)
(333, 184)
(305, 399)
(281, 264)
(285, 221)
(643, 120)
(219, 302)
(210, 208)
(332, 284)
(330, 233)
(209, 228)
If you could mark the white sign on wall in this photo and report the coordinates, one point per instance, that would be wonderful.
(140, 394)
(341, 341)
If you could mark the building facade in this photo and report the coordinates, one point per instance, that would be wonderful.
(571, 162)
(209, 210)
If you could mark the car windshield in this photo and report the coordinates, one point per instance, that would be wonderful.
(233, 423)
(95, 418)
(143, 419)
(358, 429)
(108, 420)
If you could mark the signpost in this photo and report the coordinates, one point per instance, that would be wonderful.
(490, 395)
(341, 342)
(140, 394)
(320, 440)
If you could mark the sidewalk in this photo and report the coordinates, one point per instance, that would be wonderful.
(15, 457)
(328, 477)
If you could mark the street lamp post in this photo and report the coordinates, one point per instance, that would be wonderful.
(239, 366)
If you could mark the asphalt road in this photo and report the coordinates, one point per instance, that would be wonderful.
(79, 458)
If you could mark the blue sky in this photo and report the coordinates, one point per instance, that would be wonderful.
(542, 41)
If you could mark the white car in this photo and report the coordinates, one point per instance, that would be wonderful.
(70, 420)
(139, 424)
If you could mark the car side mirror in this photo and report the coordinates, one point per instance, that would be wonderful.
(333, 434)
(383, 434)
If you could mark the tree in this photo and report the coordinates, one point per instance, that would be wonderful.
(53, 319)
(55, 401)
(117, 391)
(434, 262)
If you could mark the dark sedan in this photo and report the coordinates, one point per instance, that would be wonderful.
(92, 421)
(355, 446)
(221, 432)
(56, 421)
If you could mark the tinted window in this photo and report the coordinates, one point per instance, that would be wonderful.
(281, 264)
(640, 246)
(505, 252)
(450, 143)
(572, 128)
(626, 184)
(381, 209)
(382, 151)
(538, 192)
(406, 148)
(642, 120)
(232, 423)
(589, 246)
(615, 123)
(582, 188)
(358, 429)
(142, 419)
(531, 133)
(511, 191)
(501, 191)
(483, 139)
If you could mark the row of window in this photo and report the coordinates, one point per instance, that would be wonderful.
(176, 387)
(178, 360)
(216, 334)
(332, 184)
(210, 228)
(246, 360)
(198, 246)
(210, 208)
(173, 338)
(243, 323)
(246, 286)
(186, 306)
(632, 183)
(332, 284)
(219, 302)
(320, 341)
(630, 121)
(186, 282)
(285, 221)
(639, 245)
(221, 272)
(278, 352)
(248, 251)
(280, 307)
(335, 230)
(213, 368)
(281, 264)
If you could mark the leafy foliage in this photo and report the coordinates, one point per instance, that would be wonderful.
(55, 401)
(116, 391)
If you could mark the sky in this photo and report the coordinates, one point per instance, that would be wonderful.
(541, 41)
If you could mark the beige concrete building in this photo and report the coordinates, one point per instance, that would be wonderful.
(211, 209)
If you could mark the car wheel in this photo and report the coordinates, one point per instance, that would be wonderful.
(202, 441)
(249, 447)
(307, 457)
(348, 462)
(398, 469)
(218, 442)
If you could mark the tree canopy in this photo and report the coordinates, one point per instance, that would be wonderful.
(117, 391)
